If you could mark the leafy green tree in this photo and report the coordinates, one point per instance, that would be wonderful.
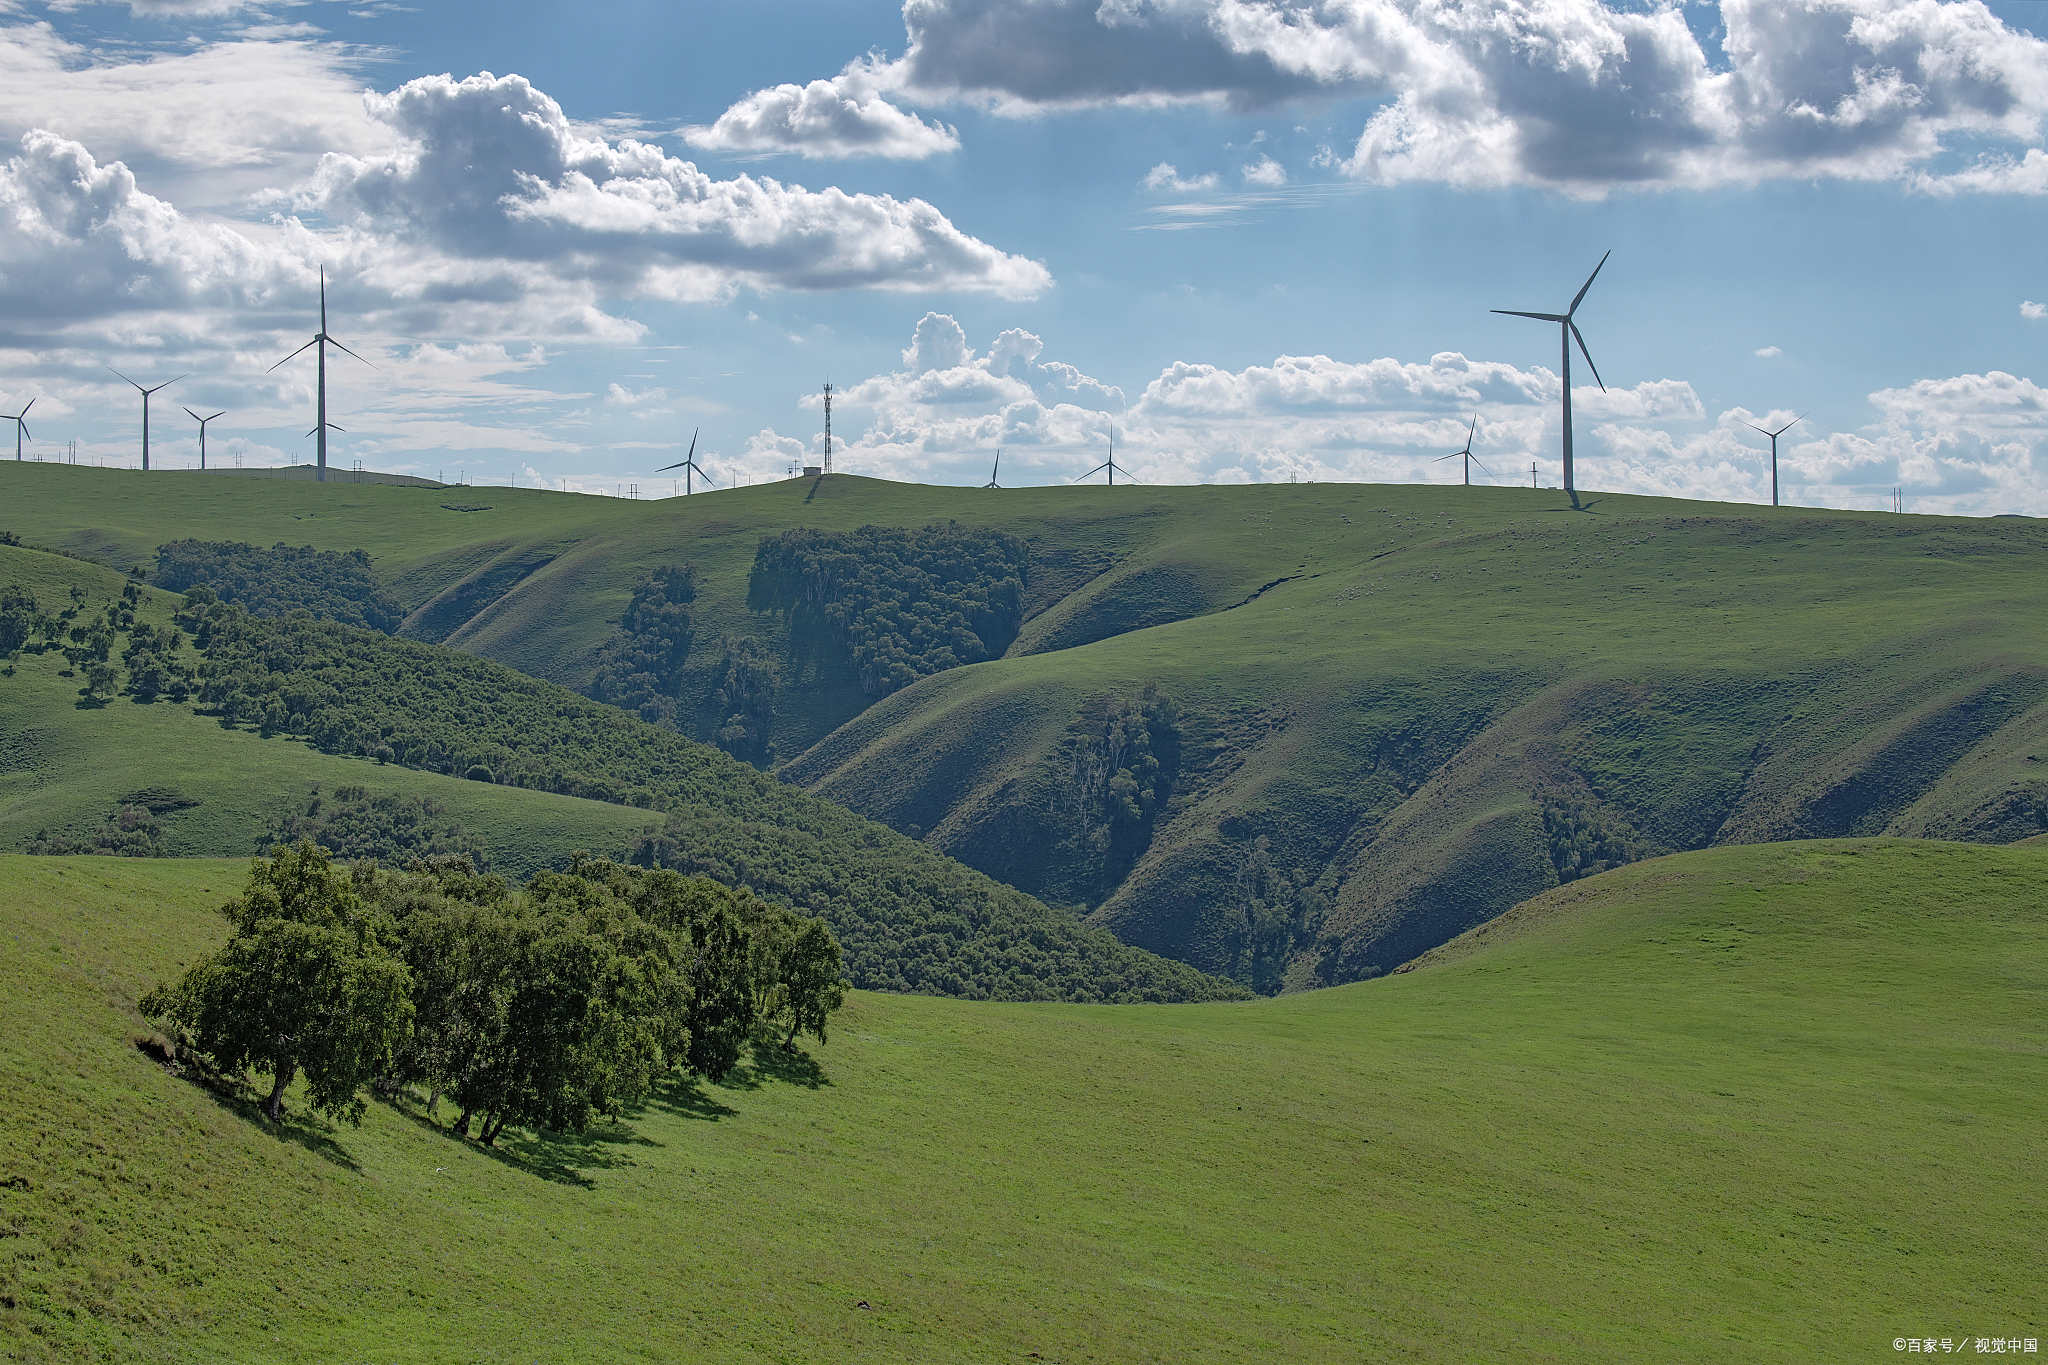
(640, 667)
(721, 993)
(304, 985)
(812, 979)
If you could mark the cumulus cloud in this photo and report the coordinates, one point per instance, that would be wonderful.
(1577, 95)
(2033, 312)
(1165, 177)
(209, 126)
(489, 169)
(1768, 352)
(1966, 444)
(846, 116)
(1265, 172)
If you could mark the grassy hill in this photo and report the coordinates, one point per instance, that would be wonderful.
(1399, 709)
(1768, 1103)
(907, 917)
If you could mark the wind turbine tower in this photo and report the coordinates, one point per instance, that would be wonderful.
(145, 411)
(1774, 435)
(688, 464)
(1470, 458)
(202, 434)
(318, 345)
(1568, 332)
(1109, 464)
(993, 471)
(20, 420)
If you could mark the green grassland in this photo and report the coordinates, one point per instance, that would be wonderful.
(64, 766)
(1384, 691)
(1778, 1102)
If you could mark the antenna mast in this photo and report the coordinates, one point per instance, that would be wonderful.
(828, 426)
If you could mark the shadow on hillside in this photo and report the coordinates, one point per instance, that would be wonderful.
(683, 1096)
(771, 1063)
(561, 1158)
(304, 1129)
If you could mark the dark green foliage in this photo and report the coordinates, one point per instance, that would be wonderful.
(20, 618)
(910, 919)
(155, 663)
(899, 604)
(353, 824)
(132, 831)
(721, 993)
(811, 980)
(640, 667)
(306, 984)
(745, 700)
(1585, 839)
(1273, 911)
(275, 582)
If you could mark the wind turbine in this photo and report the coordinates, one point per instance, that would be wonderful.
(1470, 458)
(202, 433)
(1568, 332)
(1109, 464)
(321, 341)
(688, 464)
(1774, 435)
(992, 472)
(145, 411)
(20, 426)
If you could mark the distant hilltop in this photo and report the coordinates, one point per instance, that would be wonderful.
(310, 473)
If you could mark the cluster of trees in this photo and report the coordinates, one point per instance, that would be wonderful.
(911, 919)
(640, 668)
(545, 1009)
(352, 823)
(1274, 911)
(333, 584)
(134, 830)
(22, 619)
(899, 603)
(1585, 839)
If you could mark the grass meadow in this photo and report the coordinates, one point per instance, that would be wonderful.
(1780, 1102)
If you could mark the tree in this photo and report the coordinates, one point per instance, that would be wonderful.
(812, 980)
(304, 985)
(721, 994)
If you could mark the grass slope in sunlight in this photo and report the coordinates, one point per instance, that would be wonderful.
(1764, 1103)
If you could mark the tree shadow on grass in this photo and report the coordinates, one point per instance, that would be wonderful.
(682, 1095)
(560, 1158)
(770, 1063)
(306, 1129)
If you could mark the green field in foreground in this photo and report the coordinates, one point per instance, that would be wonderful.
(1774, 1102)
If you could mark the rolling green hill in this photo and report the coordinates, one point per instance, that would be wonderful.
(1394, 711)
(531, 770)
(1773, 1103)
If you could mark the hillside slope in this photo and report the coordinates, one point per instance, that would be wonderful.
(1778, 1103)
(1394, 711)
(284, 704)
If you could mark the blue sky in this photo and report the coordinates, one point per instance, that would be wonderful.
(1254, 239)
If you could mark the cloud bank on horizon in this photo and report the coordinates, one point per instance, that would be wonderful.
(1572, 95)
(170, 208)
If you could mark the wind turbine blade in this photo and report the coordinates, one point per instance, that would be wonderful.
(693, 447)
(293, 356)
(667, 467)
(125, 379)
(1588, 285)
(165, 385)
(1452, 456)
(1758, 430)
(1540, 317)
(343, 349)
(1586, 353)
(197, 418)
(1482, 468)
(26, 406)
(1470, 430)
(1789, 425)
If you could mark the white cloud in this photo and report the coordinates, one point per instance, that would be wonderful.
(490, 170)
(1577, 95)
(2033, 312)
(1768, 352)
(1165, 177)
(1967, 444)
(1265, 171)
(625, 397)
(842, 117)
